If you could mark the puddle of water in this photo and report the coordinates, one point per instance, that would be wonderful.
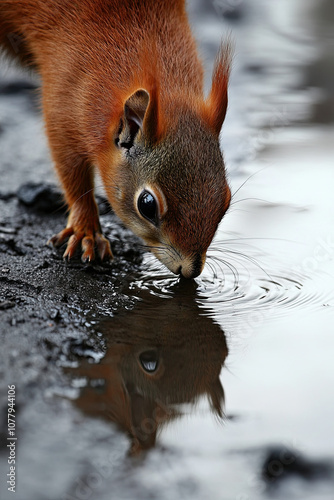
(208, 374)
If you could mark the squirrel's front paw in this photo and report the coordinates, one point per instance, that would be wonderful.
(89, 240)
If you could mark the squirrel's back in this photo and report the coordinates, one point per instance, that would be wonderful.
(101, 50)
(120, 30)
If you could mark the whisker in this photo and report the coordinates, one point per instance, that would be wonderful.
(233, 209)
(218, 263)
(65, 205)
(160, 251)
(264, 238)
(211, 265)
(176, 252)
(84, 194)
(214, 274)
(248, 178)
(232, 268)
(253, 199)
(250, 259)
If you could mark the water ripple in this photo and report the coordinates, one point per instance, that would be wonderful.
(237, 287)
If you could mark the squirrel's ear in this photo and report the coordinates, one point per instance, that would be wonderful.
(135, 107)
(140, 113)
(133, 118)
(217, 100)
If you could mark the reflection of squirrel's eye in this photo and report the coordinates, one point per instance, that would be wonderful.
(149, 360)
(147, 206)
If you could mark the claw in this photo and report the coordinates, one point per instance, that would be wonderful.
(72, 245)
(87, 240)
(103, 247)
(87, 246)
(58, 239)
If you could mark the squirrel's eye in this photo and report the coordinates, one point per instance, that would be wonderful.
(148, 207)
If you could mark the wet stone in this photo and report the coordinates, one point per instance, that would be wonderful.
(6, 304)
(55, 315)
(9, 246)
(41, 197)
(44, 265)
(8, 230)
(281, 463)
(6, 196)
(82, 349)
(17, 87)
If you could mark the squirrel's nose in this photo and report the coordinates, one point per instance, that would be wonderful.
(194, 269)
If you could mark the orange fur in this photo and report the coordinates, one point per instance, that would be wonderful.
(92, 55)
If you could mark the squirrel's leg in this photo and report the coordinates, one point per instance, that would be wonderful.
(83, 227)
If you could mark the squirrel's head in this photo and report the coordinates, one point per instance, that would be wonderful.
(169, 183)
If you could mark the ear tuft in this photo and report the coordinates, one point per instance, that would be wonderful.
(217, 398)
(217, 100)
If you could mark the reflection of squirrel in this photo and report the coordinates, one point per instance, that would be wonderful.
(161, 356)
(122, 91)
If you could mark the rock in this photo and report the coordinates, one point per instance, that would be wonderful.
(82, 349)
(8, 230)
(6, 304)
(17, 87)
(281, 463)
(42, 197)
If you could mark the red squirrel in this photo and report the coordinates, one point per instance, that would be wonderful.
(122, 92)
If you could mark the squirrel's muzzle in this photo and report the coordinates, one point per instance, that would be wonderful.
(192, 267)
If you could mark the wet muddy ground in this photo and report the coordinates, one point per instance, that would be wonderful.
(131, 384)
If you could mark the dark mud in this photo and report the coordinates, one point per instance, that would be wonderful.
(41, 292)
